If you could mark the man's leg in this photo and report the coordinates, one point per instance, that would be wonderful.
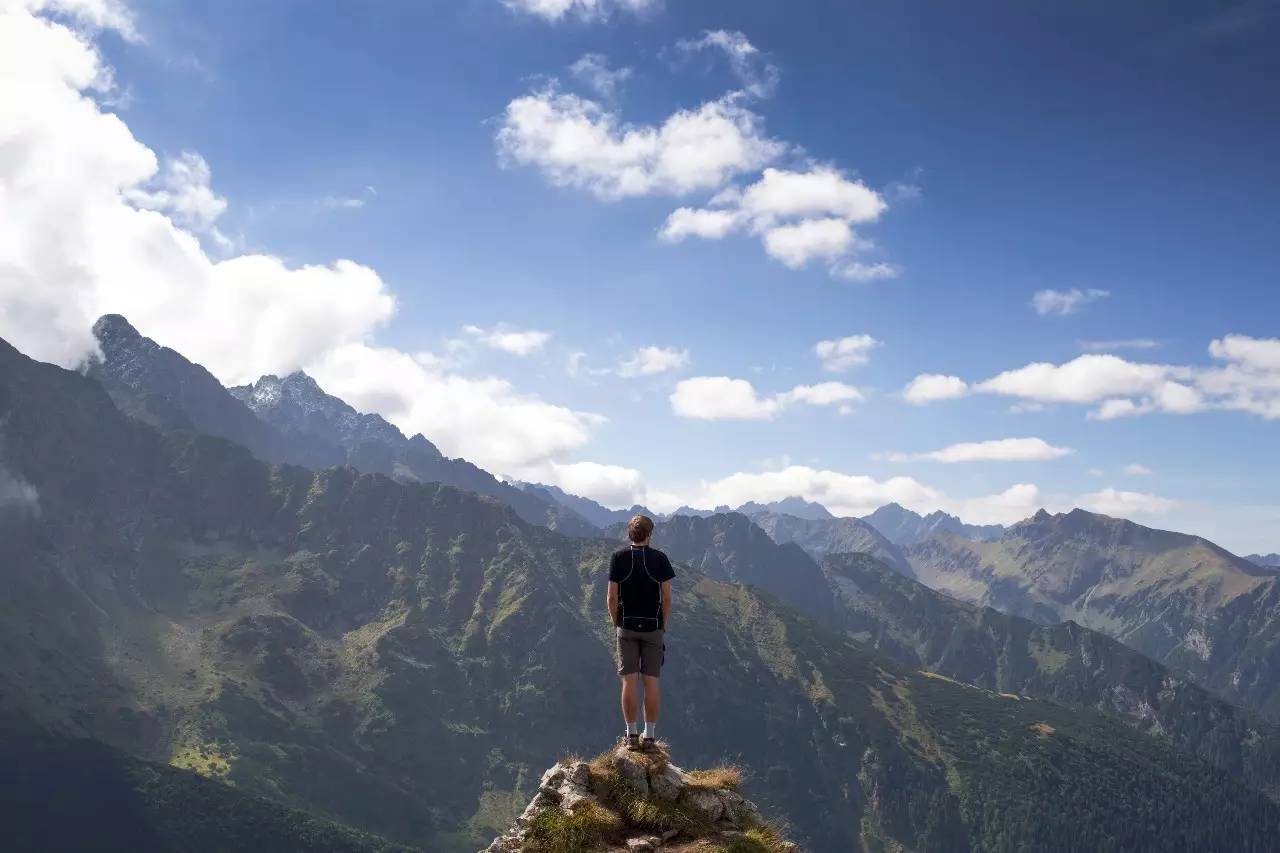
(652, 702)
(631, 700)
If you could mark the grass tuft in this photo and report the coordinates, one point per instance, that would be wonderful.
(587, 828)
(729, 777)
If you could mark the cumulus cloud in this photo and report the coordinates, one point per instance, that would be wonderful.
(507, 339)
(183, 192)
(649, 361)
(997, 450)
(928, 387)
(556, 10)
(840, 354)
(799, 216)
(576, 143)
(759, 78)
(611, 485)
(94, 225)
(724, 398)
(1134, 469)
(1063, 302)
(1115, 502)
(1246, 379)
(593, 70)
(720, 398)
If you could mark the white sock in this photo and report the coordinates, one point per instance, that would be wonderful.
(650, 729)
(633, 728)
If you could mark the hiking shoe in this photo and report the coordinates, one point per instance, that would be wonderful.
(632, 742)
(649, 744)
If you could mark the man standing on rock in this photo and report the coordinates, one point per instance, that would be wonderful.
(639, 604)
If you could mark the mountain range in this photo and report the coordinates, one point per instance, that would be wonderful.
(1177, 598)
(404, 656)
(904, 527)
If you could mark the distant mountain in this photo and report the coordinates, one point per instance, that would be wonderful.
(1065, 663)
(161, 387)
(1180, 599)
(793, 506)
(288, 420)
(904, 527)
(301, 411)
(598, 514)
(1269, 560)
(700, 513)
(402, 657)
(823, 536)
(730, 547)
(924, 629)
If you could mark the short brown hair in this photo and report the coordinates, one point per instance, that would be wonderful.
(639, 528)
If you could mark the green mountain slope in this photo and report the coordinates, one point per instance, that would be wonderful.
(823, 536)
(61, 793)
(1177, 598)
(406, 657)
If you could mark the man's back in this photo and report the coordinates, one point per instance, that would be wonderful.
(639, 571)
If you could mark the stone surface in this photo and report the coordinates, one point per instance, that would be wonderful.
(639, 845)
(667, 783)
(705, 803)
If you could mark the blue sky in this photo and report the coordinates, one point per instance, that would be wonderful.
(1122, 159)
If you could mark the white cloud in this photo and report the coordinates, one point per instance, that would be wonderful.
(484, 420)
(1134, 469)
(593, 69)
(89, 14)
(841, 354)
(1063, 302)
(555, 10)
(611, 485)
(822, 394)
(796, 245)
(576, 143)
(1122, 343)
(343, 202)
(723, 398)
(691, 222)
(1085, 379)
(1013, 504)
(759, 77)
(997, 450)
(720, 398)
(799, 217)
(648, 361)
(76, 244)
(928, 387)
(514, 341)
(1115, 502)
(858, 271)
(183, 192)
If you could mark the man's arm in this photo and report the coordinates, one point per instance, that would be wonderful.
(611, 599)
(666, 603)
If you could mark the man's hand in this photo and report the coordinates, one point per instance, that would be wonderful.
(611, 599)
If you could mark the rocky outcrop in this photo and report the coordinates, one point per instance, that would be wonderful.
(639, 802)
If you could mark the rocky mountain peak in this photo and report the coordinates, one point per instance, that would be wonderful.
(114, 327)
(640, 802)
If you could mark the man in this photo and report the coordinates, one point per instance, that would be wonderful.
(640, 604)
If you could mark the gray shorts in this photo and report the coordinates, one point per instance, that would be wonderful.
(641, 651)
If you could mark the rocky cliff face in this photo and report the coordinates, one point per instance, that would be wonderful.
(639, 802)
(823, 536)
(904, 527)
